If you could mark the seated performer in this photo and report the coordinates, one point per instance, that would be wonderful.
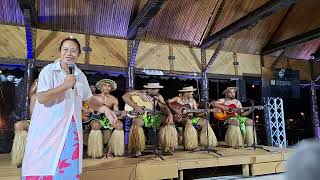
(115, 139)
(85, 113)
(21, 128)
(190, 137)
(240, 127)
(142, 102)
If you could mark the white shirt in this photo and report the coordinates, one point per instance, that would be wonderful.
(50, 122)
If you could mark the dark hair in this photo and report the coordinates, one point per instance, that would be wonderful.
(73, 40)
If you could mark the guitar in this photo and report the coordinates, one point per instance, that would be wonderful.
(146, 105)
(86, 119)
(185, 109)
(222, 115)
(96, 115)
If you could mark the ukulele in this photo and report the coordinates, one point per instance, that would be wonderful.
(223, 115)
(86, 118)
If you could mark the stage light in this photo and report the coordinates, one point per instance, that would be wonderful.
(3, 78)
(10, 78)
(302, 114)
(252, 86)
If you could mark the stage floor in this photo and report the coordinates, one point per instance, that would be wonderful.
(149, 167)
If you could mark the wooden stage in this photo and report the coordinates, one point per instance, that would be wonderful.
(149, 167)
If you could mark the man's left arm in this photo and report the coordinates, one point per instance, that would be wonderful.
(115, 105)
(244, 113)
(116, 109)
(95, 104)
(163, 106)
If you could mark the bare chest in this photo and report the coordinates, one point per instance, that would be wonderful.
(107, 101)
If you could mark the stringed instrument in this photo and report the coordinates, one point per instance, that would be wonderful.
(146, 105)
(185, 109)
(223, 115)
(86, 119)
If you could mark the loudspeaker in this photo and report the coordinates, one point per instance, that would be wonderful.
(242, 92)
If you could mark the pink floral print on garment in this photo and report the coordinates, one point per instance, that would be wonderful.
(62, 165)
(75, 154)
(68, 164)
(39, 178)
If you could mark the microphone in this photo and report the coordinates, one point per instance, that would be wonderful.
(71, 67)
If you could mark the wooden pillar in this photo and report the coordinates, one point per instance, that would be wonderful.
(245, 170)
(204, 82)
(314, 109)
(180, 177)
(30, 65)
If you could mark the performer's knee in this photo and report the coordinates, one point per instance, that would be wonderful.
(188, 122)
(95, 125)
(202, 122)
(233, 122)
(118, 125)
(249, 122)
(166, 123)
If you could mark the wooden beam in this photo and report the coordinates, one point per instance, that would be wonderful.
(178, 74)
(204, 81)
(87, 50)
(85, 67)
(301, 38)
(245, 170)
(180, 174)
(214, 55)
(314, 70)
(235, 63)
(30, 20)
(12, 61)
(171, 58)
(314, 109)
(28, 8)
(214, 15)
(280, 24)
(119, 70)
(151, 8)
(246, 21)
(45, 42)
(134, 50)
(280, 57)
